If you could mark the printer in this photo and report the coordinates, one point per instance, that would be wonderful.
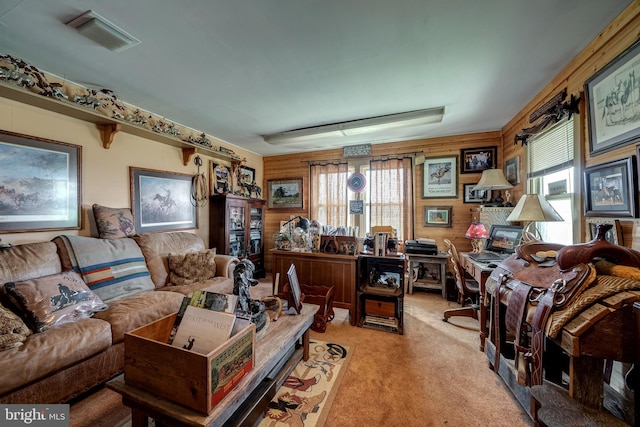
(421, 246)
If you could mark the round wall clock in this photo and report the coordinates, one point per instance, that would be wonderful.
(356, 182)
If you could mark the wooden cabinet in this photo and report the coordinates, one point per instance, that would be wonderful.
(236, 228)
(320, 269)
(380, 295)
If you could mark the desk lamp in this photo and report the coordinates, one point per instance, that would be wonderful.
(531, 208)
(476, 232)
(493, 179)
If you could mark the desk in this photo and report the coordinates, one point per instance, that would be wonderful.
(481, 272)
(274, 359)
(431, 278)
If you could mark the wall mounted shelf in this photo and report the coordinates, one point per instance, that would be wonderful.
(108, 127)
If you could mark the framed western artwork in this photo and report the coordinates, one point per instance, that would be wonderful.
(478, 159)
(161, 201)
(438, 216)
(285, 194)
(614, 235)
(40, 182)
(440, 177)
(512, 170)
(221, 179)
(612, 101)
(475, 196)
(610, 189)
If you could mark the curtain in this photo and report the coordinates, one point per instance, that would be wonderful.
(329, 194)
(392, 195)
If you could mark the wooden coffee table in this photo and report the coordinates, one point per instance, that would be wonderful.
(276, 354)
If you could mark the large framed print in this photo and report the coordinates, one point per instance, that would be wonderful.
(440, 178)
(478, 159)
(161, 201)
(285, 194)
(40, 184)
(613, 102)
(610, 189)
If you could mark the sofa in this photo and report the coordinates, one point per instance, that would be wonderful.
(64, 360)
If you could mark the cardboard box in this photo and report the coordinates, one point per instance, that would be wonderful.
(190, 379)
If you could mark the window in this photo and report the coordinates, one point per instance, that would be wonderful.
(551, 172)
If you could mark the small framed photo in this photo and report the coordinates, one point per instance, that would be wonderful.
(614, 235)
(512, 170)
(221, 179)
(476, 160)
(294, 293)
(246, 175)
(610, 189)
(440, 178)
(475, 196)
(285, 194)
(161, 201)
(438, 216)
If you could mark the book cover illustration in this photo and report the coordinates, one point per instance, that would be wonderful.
(203, 330)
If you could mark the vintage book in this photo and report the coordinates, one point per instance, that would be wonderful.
(203, 330)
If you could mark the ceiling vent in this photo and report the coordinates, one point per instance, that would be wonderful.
(95, 27)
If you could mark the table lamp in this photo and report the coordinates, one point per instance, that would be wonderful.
(531, 208)
(493, 179)
(476, 232)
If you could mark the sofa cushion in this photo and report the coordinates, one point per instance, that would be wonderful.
(112, 268)
(13, 330)
(221, 285)
(113, 223)
(28, 261)
(192, 267)
(48, 352)
(137, 310)
(156, 248)
(53, 300)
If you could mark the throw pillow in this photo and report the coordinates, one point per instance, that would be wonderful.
(13, 331)
(192, 267)
(113, 223)
(53, 300)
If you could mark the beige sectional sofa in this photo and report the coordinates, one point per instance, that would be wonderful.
(61, 362)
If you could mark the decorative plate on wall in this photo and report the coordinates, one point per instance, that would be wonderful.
(357, 182)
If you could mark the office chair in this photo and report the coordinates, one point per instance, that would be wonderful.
(468, 288)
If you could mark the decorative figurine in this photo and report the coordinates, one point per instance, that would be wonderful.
(251, 309)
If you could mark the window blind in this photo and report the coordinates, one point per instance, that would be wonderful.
(552, 150)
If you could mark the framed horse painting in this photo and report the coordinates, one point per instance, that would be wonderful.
(161, 201)
(440, 178)
(610, 189)
(613, 100)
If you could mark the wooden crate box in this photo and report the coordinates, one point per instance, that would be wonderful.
(197, 381)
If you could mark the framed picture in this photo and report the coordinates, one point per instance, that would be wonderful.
(246, 175)
(475, 196)
(611, 102)
(440, 178)
(610, 189)
(284, 194)
(478, 159)
(512, 170)
(437, 216)
(161, 201)
(614, 235)
(356, 207)
(40, 183)
(294, 294)
(221, 178)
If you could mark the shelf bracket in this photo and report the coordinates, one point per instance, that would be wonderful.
(187, 152)
(107, 132)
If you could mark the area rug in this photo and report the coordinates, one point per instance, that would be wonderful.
(305, 398)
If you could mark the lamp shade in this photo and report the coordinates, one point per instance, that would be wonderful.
(534, 207)
(492, 179)
(476, 230)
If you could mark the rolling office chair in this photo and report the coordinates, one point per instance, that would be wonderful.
(468, 288)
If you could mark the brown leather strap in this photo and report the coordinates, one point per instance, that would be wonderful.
(496, 320)
(515, 315)
(540, 318)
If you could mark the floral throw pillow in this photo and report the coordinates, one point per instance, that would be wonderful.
(192, 267)
(13, 331)
(113, 223)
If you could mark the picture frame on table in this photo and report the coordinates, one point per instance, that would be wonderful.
(475, 160)
(475, 196)
(512, 170)
(610, 189)
(161, 201)
(438, 216)
(40, 184)
(614, 235)
(221, 178)
(292, 289)
(611, 116)
(285, 194)
(440, 177)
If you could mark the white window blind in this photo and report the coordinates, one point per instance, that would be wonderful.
(552, 150)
